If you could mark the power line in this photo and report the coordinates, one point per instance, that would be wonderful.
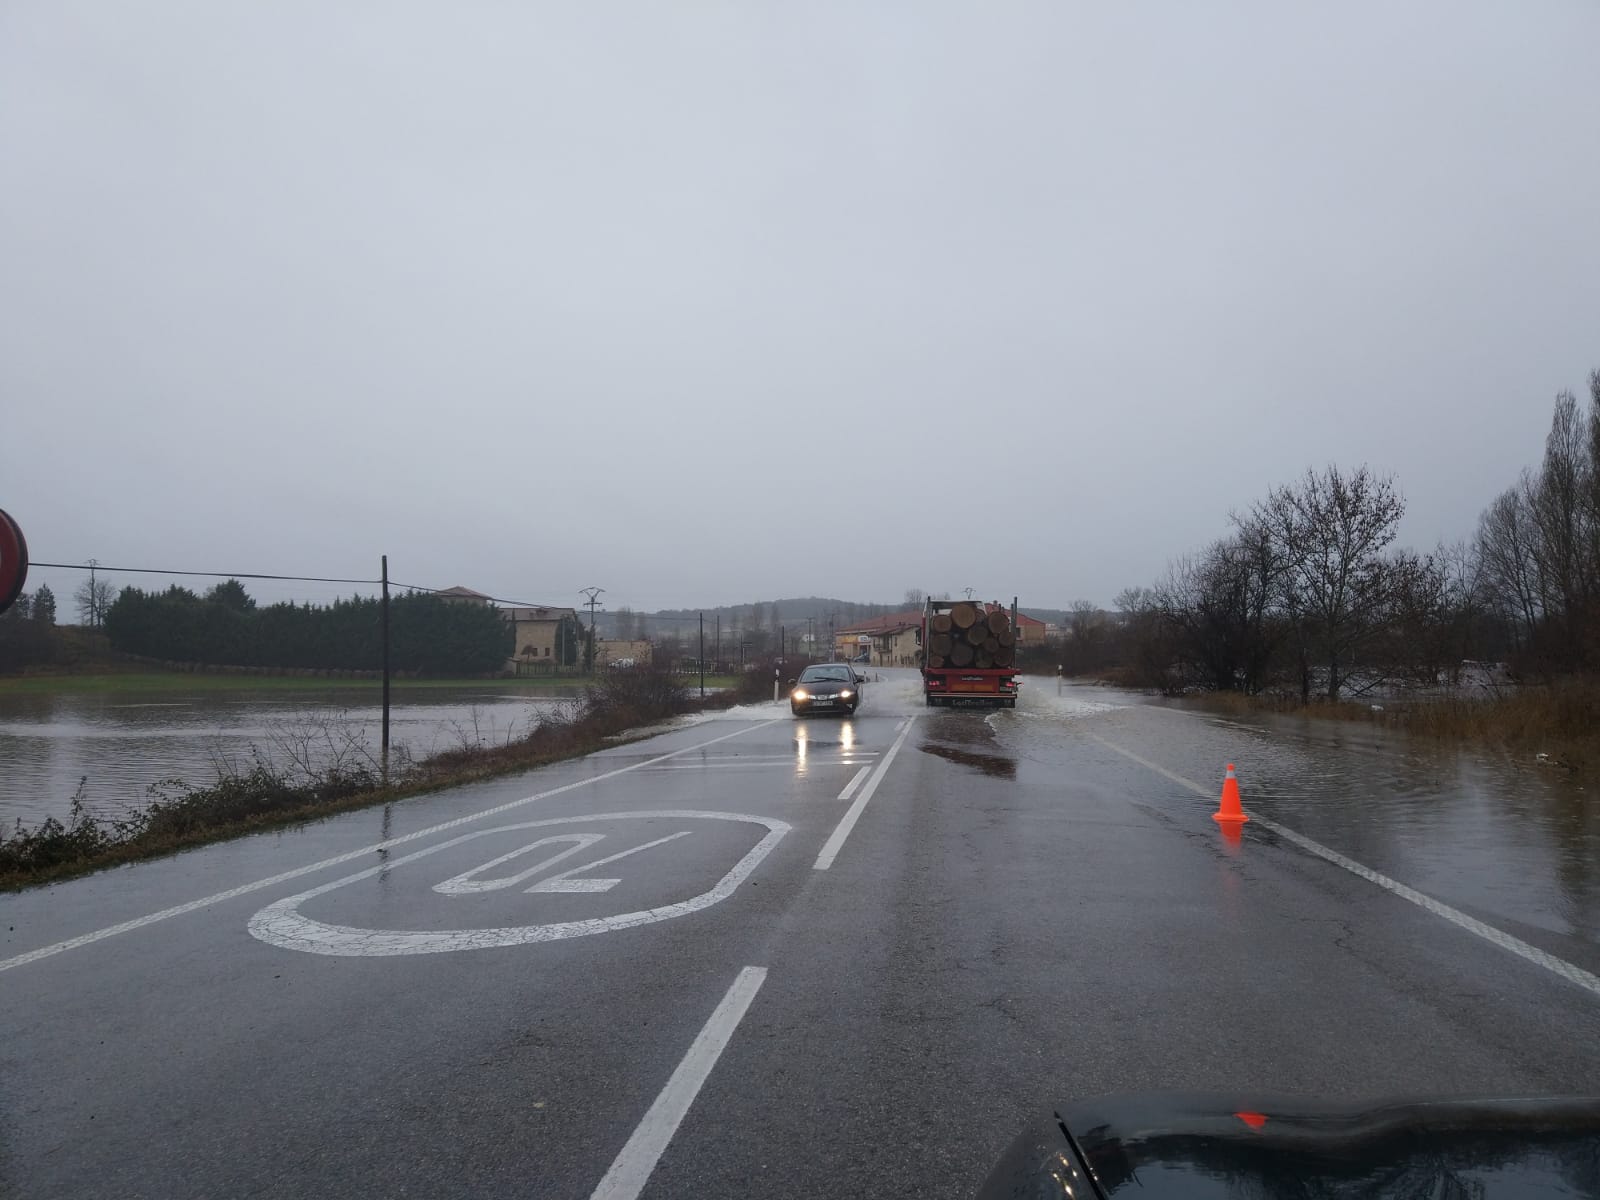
(206, 574)
(414, 587)
(417, 587)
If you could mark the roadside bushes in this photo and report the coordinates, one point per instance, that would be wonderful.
(296, 785)
(635, 696)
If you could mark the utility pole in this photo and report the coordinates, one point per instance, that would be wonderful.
(386, 666)
(594, 598)
(702, 656)
(716, 654)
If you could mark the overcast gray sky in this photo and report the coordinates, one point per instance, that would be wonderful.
(713, 302)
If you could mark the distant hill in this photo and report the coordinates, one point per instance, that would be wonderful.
(791, 611)
(794, 612)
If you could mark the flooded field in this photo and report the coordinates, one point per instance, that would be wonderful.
(120, 743)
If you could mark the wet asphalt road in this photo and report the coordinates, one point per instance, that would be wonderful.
(1023, 913)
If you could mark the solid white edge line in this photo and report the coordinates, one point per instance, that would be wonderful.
(849, 788)
(1498, 937)
(631, 1169)
(179, 910)
(830, 848)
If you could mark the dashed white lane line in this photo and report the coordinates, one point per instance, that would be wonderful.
(631, 1169)
(179, 910)
(1499, 937)
(850, 788)
(830, 848)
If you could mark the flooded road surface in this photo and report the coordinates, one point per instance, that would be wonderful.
(852, 954)
(120, 743)
(1504, 838)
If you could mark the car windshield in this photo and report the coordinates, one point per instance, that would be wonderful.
(826, 674)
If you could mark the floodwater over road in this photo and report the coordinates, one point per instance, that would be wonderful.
(1504, 838)
(1501, 836)
(120, 743)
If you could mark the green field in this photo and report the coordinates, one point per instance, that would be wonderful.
(182, 681)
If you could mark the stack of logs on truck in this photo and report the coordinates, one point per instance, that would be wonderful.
(968, 653)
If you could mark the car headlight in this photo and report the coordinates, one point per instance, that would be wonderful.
(846, 694)
(801, 694)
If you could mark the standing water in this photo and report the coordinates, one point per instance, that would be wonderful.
(1503, 836)
(118, 744)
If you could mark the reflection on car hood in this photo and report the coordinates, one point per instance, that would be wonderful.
(1198, 1146)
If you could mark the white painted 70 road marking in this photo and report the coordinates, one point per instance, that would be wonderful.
(178, 910)
(282, 924)
(468, 883)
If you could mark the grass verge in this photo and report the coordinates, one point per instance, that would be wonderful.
(262, 796)
(183, 681)
(1560, 720)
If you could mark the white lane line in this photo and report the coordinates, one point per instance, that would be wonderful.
(179, 910)
(631, 1169)
(830, 848)
(1499, 937)
(788, 762)
(849, 788)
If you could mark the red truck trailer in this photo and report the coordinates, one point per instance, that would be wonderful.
(969, 649)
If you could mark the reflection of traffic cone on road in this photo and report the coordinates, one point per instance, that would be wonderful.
(1230, 810)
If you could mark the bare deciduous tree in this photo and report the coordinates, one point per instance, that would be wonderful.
(1508, 563)
(94, 599)
(1331, 530)
(1219, 605)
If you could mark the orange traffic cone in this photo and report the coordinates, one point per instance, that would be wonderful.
(1230, 809)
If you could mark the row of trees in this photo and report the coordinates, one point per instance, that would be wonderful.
(27, 631)
(1538, 545)
(427, 634)
(38, 606)
(1309, 592)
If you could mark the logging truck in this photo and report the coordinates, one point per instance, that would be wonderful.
(969, 651)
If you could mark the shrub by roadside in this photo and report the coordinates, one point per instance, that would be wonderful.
(1560, 720)
(263, 795)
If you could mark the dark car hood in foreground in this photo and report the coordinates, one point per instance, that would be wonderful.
(1210, 1146)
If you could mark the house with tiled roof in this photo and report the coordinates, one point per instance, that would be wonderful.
(889, 639)
(464, 594)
